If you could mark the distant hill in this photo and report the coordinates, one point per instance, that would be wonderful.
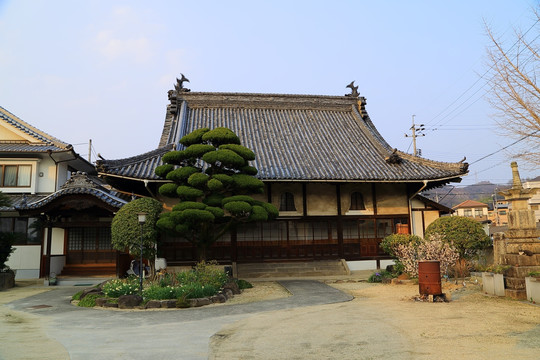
(452, 195)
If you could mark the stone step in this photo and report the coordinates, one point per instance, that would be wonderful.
(292, 269)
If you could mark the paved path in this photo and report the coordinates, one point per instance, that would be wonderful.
(174, 334)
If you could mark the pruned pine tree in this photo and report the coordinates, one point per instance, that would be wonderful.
(213, 179)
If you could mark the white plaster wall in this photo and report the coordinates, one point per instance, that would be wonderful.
(417, 225)
(46, 183)
(26, 260)
(57, 245)
(368, 264)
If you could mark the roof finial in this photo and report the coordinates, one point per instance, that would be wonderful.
(179, 86)
(354, 90)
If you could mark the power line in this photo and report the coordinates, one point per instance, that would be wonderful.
(476, 82)
(507, 146)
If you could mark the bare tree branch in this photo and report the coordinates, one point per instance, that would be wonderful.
(514, 92)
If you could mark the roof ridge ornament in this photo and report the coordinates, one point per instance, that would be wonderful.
(179, 86)
(354, 90)
(80, 179)
(394, 158)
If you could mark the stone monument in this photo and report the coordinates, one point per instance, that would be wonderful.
(520, 246)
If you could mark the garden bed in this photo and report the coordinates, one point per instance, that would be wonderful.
(203, 285)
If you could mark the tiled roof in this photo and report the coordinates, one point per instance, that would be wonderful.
(25, 147)
(469, 204)
(294, 137)
(78, 184)
(17, 200)
(40, 136)
(140, 166)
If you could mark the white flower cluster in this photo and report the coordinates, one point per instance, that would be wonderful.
(433, 249)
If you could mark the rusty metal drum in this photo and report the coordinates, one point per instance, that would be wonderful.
(429, 277)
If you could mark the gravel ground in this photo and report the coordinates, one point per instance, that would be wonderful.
(385, 322)
(382, 322)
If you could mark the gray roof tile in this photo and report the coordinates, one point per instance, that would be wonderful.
(294, 137)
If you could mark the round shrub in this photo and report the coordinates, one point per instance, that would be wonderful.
(174, 157)
(227, 158)
(237, 208)
(194, 137)
(271, 210)
(198, 150)
(218, 212)
(220, 136)
(466, 235)
(198, 180)
(247, 182)
(258, 213)
(243, 151)
(163, 170)
(189, 205)
(391, 242)
(166, 223)
(213, 199)
(225, 179)
(244, 198)
(126, 230)
(168, 190)
(214, 185)
(188, 193)
(197, 216)
(249, 170)
(182, 174)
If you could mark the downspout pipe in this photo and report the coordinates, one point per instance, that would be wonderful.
(425, 183)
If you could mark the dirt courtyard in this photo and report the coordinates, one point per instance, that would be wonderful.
(382, 322)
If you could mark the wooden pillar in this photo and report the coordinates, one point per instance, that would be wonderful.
(339, 221)
(49, 245)
(304, 199)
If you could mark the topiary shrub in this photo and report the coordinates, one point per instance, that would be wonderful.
(126, 230)
(213, 169)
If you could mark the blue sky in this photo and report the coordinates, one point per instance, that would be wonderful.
(101, 70)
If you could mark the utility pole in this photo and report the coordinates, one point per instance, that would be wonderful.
(416, 132)
(90, 150)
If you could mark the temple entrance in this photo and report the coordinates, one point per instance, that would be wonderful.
(89, 245)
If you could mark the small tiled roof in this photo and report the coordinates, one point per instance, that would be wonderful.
(44, 141)
(79, 184)
(469, 204)
(18, 200)
(294, 137)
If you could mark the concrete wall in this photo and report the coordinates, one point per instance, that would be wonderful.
(26, 260)
(321, 199)
(391, 199)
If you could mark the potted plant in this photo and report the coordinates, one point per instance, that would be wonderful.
(532, 286)
(493, 279)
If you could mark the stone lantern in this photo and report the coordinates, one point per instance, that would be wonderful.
(520, 245)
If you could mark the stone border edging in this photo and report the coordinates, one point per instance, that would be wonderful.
(135, 301)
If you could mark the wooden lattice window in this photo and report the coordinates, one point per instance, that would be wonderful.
(357, 201)
(287, 202)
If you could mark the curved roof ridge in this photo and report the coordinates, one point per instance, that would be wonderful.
(434, 163)
(136, 158)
